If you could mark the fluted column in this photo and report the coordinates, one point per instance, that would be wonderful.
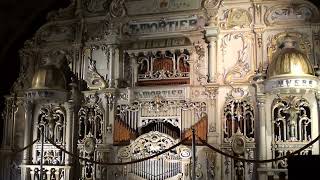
(69, 127)
(113, 65)
(262, 135)
(212, 36)
(134, 66)
(28, 105)
(315, 126)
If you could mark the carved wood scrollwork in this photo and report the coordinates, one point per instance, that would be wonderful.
(117, 8)
(52, 121)
(284, 14)
(166, 165)
(244, 66)
(291, 120)
(235, 18)
(291, 127)
(91, 120)
(238, 115)
(167, 67)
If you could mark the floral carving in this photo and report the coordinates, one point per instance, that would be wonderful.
(239, 115)
(238, 18)
(211, 3)
(242, 69)
(117, 8)
(199, 52)
(52, 122)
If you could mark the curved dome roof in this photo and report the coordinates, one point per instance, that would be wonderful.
(290, 61)
(49, 77)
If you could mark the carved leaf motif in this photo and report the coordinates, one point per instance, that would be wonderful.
(211, 3)
(238, 18)
(242, 69)
(117, 8)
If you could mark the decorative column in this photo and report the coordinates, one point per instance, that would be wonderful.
(8, 117)
(113, 65)
(134, 67)
(259, 79)
(211, 36)
(259, 48)
(116, 66)
(69, 127)
(108, 136)
(28, 105)
(262, 135)
(213, 136)
(211, 93)
(315, 125)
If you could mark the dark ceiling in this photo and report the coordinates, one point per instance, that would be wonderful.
(20, 20)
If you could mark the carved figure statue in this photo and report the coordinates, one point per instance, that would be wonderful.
(292, 122)
(51, 124)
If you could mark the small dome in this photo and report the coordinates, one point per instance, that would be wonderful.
(49, 77)
(290, 61)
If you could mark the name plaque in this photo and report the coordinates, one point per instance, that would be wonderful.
(292, 83)
(165, 93)
(165, 25)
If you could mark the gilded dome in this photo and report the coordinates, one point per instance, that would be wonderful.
(49, 77)
(290, 61)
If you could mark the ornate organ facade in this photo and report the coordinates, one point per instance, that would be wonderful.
(116, 81)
